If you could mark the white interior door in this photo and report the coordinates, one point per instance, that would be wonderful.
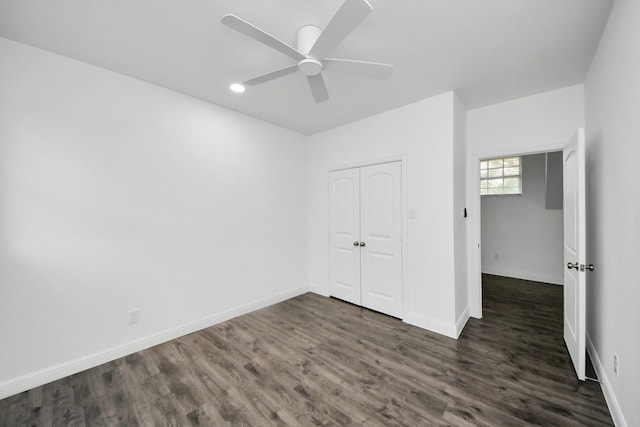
(344, 235)
(574, 251)
(381, 237)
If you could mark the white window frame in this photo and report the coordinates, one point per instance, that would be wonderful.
(500, 174)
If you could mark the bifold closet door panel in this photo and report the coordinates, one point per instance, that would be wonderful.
(381, 231)
(344, 233)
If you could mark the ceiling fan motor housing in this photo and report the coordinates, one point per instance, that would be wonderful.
(306, 38)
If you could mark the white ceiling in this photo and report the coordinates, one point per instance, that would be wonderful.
(486, 50)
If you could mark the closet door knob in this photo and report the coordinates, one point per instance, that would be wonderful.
(362, 243)
(571, 265)
(356, 244)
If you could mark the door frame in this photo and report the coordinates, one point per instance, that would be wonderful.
(474, 230)
(403, 159)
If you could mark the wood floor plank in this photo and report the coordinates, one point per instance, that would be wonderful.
(319, 361)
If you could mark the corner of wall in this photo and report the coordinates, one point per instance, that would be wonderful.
(432, 324)
(319, 289)
(115, 183)
(53, 373)
(462, 320)
(460, 206)
(605, 385)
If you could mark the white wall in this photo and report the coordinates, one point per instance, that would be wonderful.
(612, 93)
(533, 124)
(117, 194)
(459, 204)
(520, 237)
(422, 133)
(554, 180)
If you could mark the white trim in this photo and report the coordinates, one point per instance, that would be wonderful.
(44, 376)
(605, 385)
(377, 161)
(525, 275)
(405, 240)
(462, 321)
(432, 324)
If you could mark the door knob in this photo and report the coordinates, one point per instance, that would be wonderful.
(571, 265)
(356, 244)
(591, 267)
(362, 243)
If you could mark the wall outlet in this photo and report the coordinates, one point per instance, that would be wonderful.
(134, 316)
(616, 364)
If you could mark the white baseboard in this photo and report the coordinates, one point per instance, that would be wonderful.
(431, 324)
(318, 289)
(524, 275)
(462, 321)
(44, 376)
(424, 322)
(475, 314)
(607, 390)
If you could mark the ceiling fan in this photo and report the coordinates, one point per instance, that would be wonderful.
(313, 44)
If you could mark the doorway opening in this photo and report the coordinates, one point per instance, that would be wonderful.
(521, 217)
(573, 241)
(522, 242)
(475, 226)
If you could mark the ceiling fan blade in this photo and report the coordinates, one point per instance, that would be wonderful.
(262, 36)
(272, 75)
(350, 14)
(318, 88)
(372, 70)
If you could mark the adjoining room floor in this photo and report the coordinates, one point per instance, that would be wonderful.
(318, 361)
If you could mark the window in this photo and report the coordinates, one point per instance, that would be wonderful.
(500, 176)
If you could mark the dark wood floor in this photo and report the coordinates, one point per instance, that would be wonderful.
(318, 361)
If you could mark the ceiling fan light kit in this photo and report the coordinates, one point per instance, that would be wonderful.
(312, 46)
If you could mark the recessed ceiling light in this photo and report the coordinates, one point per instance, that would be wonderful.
(237, 87)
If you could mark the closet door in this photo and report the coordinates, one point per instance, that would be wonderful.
(381, 233)
(344, 235)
